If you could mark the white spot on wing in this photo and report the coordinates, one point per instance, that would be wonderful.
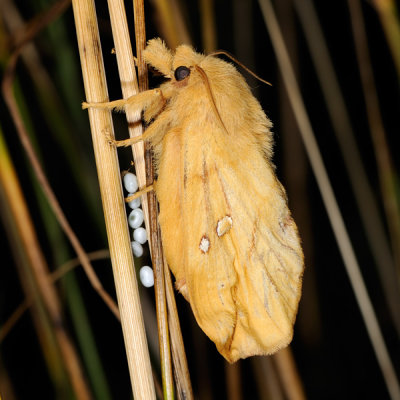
(204, 244)
(224, 225)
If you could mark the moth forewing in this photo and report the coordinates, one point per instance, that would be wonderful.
(227, 232)
(226, 229)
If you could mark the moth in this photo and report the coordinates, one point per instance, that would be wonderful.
(227, 232)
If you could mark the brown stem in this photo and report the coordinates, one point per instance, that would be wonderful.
(155, 235)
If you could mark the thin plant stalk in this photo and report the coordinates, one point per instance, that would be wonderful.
(181, 369)
(332, 208)
(49, 100)
(155, 234)
(387, 176)
(167, 319)
(113, 202)
(363, 193)
(389, 16)
(309, 323)
(129, 87)
(33, 28)
(172, 25)
(9, 185)
(289, 375)
(54, 276)
(30, 243)
(44, 183)
(267, 379)
(208, 26)
(28, 32)
(233, 381)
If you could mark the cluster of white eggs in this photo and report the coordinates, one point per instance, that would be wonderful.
(135, 220)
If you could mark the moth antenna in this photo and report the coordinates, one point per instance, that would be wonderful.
(210, 95)
(225, 53)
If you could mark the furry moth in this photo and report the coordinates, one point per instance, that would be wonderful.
(228, 235)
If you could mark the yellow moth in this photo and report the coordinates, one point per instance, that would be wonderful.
(226, 229)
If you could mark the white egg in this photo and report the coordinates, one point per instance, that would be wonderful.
(130, 182)
(135, 218)
(146, 276)
(140, 235)
(137, 249)
(134, 203)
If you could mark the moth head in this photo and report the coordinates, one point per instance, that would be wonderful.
(184, 61)
(184, 64)
(187, 63)
(186, 56)
(172, 65)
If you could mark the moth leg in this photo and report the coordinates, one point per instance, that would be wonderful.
(153, 133)
(152, 101)
(139, 193)
(125, 142)
(137, 102)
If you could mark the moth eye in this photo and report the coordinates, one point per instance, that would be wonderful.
(181, 73)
